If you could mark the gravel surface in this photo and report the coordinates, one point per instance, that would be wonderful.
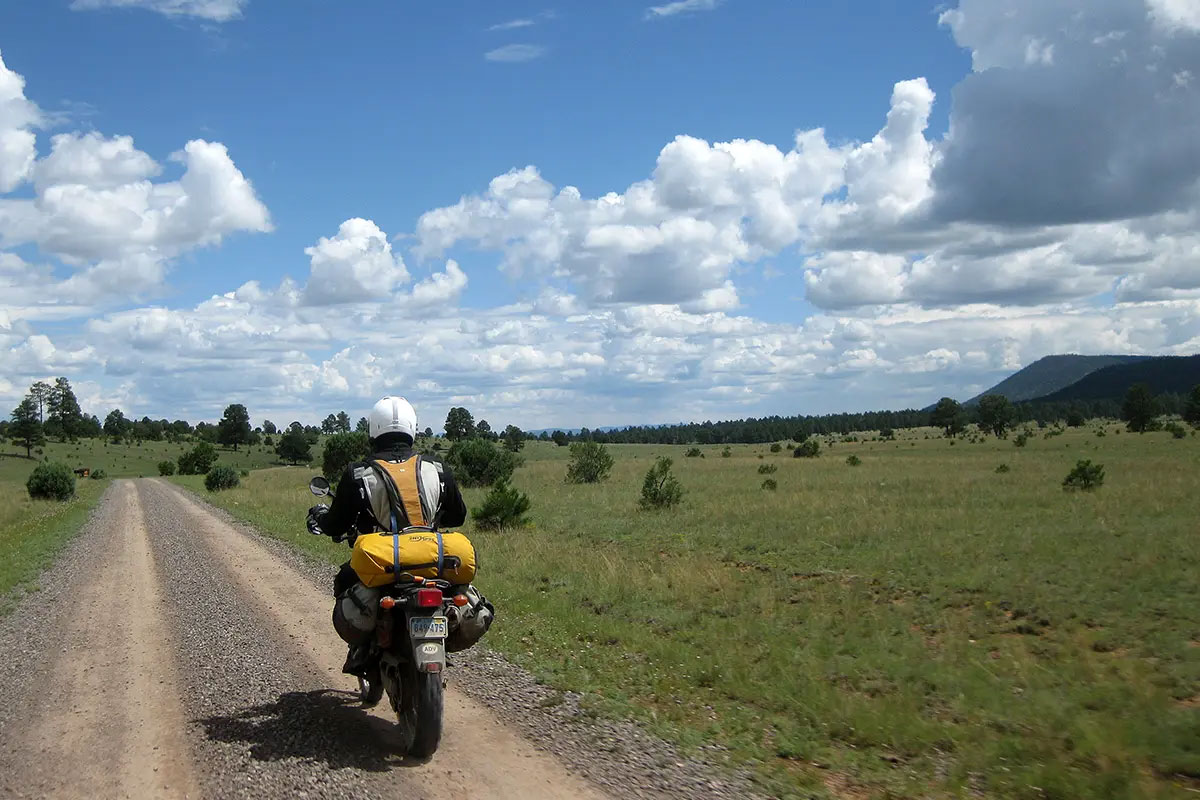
(619, 756)
(251, 688)
(263, 725)
(31, 641)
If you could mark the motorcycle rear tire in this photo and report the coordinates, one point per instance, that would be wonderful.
(428, 700)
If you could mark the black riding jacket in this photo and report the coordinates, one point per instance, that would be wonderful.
(350, 510)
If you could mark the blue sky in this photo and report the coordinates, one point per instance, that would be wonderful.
(892, 272)
(391, 109)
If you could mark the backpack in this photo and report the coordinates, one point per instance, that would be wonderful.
(400, 498)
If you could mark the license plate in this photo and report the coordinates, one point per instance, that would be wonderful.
(428, 628)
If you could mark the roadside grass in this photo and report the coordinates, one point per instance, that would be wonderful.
(123, 460)
(275, 502)
(33, 531)
(919, 626)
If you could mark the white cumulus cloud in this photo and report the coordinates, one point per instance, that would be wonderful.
(515, 53)
(356, 265)
(212, 10)
(680, 7)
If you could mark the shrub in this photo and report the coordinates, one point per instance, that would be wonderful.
(776, 447)
(98, 475)
(166, 468)
(221, 478)
(590, 463)
(199, 460)
(887, 434)
(1175, 429)
(503, 507)
(51, 481)
(1085, 476)
(478, 462)
(341, 450)
(1021, 439)
(770, 485)
(245, 473)
(767, 469)
(809, 448)
(694, 452)
(853, 460)
(1075, 418)
(726, 453)
(1003, 468)
(660, 489)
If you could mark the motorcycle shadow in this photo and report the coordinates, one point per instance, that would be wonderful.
(326, 726)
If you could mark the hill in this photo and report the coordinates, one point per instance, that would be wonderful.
(1164, 375)
(1051, 374)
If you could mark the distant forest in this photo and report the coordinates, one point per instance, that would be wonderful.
(774, 429)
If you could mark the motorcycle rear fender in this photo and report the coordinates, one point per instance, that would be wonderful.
(430, 655)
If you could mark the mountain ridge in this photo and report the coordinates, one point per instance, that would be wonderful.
(1163, 374)
(1051, 374)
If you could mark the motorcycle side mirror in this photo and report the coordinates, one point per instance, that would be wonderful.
(319, 486)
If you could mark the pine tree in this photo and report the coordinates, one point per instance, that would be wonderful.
(64, 416)
(1140, 408)
(26, 429)
(234, 427)
(40, 392)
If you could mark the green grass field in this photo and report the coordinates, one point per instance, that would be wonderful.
(123, 460)
(916, 626)
(33, 531)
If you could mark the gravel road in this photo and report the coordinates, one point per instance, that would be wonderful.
(173, 653)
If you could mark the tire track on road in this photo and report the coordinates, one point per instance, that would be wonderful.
(104, 717)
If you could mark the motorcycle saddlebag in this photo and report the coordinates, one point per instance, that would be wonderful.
(355, 613)
(469, 623)
(378, 558)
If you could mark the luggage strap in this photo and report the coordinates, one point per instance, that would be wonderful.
(441, 556)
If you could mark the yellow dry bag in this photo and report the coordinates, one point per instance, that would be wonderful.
(379, 558)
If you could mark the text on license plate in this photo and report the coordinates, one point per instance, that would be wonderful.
(428, 628)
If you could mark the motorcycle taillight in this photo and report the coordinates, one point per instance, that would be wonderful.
(429, 598)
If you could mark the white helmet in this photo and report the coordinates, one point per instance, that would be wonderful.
(393, 415)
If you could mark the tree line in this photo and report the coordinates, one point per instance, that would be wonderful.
(52, 411)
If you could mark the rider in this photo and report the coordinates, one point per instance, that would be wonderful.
(361, 502)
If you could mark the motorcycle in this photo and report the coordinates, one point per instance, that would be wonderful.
(406, 649)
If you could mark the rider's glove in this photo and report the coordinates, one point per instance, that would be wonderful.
(316, 515)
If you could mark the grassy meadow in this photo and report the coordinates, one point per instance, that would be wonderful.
(32, 531)
(122, 460)
(919, 625)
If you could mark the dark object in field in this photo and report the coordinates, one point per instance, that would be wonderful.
(810, 448)
(83, 472)
(1086, 476)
